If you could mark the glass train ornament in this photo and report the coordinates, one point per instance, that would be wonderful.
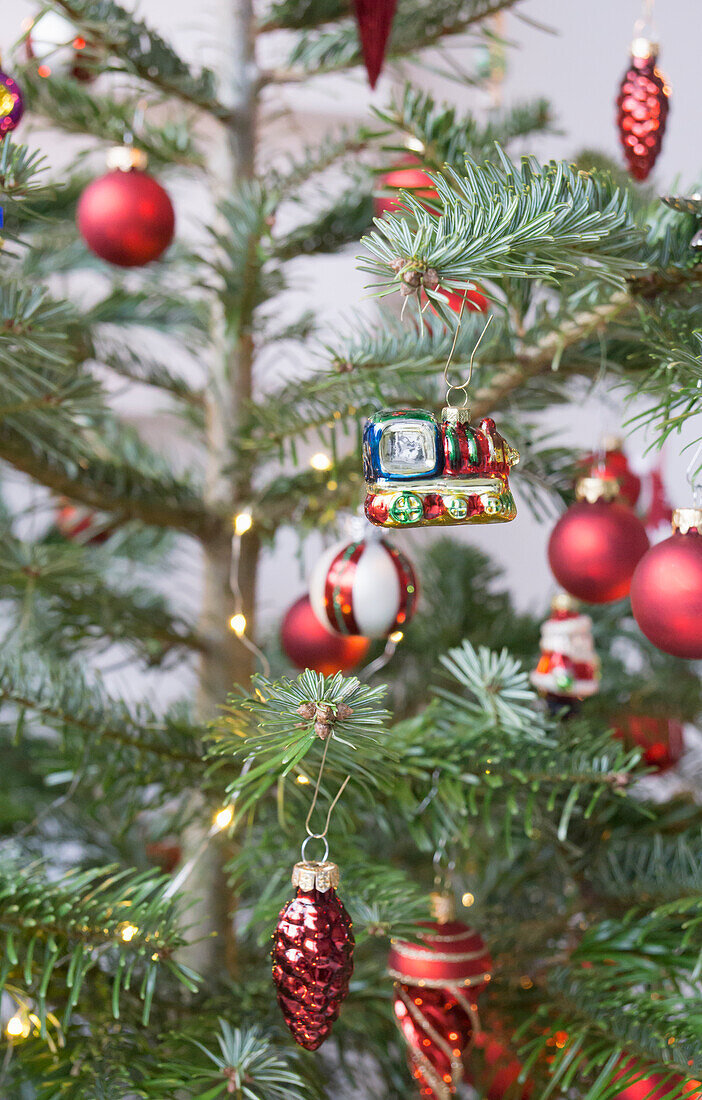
(423, 473)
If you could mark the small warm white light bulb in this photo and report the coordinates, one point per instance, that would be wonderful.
(224, 818)
(321, 461)
(468, 900)
(17, 1028)
(128, 932)
(238, 624)
(396, 636)
(302, 779)
(242, 523)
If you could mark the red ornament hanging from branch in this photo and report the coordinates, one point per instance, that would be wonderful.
(374, 19)
(642, 104)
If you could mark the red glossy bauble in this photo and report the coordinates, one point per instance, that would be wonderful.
(613, 463)
(126, 218)
(307, 644)
(450, 955)
(494, 1070)
(661, 739)
(654, 1086)
(312, 963)
(409, 177)
(666, 593)
(437, 1030)
(594, 549)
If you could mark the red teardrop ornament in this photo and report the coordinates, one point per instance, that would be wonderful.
(374, 19)
(312, 955)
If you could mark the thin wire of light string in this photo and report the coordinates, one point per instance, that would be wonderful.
(238, 603)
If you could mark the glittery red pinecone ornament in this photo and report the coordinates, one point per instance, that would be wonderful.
(642, 109)
(312, 954)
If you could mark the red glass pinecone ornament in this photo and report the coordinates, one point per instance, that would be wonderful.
(313, 954)
(642, 107)
(374, 18)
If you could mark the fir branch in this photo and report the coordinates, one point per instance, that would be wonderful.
(344, 221)
(58, 926)
(108, 484)
(278, 726)
(136, 48)
(447, 138)
(417, 24)
(63, 100)
(496, 220)
(66, 702)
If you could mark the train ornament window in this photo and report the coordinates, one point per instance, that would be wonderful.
(421, 473)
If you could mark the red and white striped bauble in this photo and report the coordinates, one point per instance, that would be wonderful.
(363, 587)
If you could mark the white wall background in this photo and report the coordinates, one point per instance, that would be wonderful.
(577, 66)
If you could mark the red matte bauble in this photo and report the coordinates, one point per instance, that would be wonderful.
(661, 739)
(595, 548)
(666, 595)
(655, 1086)
(408, 177)
(642, 107)
(449, 954)
(493, 1069)
(307, 644)
(374, 18)
(312, 963)
(126, 218)
(614, 464)
(437, 1030)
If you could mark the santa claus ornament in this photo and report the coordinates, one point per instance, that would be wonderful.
(666, 592)
(364, 587)
(642, 106)
(313, 953)
(11, 104)
(307, 643)
(436, 982)
(568, 668)
(125, 216)
(597, 543)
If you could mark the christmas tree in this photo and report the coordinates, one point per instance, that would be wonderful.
(146, 851)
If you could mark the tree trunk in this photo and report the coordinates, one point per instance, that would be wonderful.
(227, 660)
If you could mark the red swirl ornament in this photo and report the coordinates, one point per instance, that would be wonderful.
(364, 587)
(313, 954)
(612, 462)
(436, 982)
(642, 109)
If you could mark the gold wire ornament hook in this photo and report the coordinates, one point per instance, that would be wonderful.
(323, 834)
(462, 385)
